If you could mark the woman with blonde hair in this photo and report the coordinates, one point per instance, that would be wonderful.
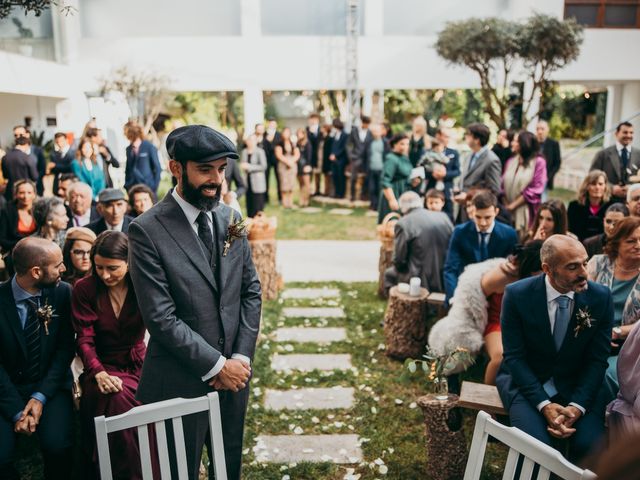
(419, 141)
(586, 213)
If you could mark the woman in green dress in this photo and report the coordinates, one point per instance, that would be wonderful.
(395, 175)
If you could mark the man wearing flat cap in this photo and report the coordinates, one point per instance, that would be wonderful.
(202, 294)
(112, 205)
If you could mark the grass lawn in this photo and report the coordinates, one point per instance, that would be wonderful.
(385, 414)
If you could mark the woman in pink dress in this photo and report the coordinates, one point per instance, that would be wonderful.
(110, 342)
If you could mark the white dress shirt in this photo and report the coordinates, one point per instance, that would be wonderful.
(552, 308)
(192, 214)
(488, 230)
(619, 148)
(115, 228)
(82, 220)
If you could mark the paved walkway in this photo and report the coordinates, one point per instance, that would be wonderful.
(328, 260)
(300, 446)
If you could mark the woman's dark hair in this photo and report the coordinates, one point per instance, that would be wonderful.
(398, 137)
(42, 210)
(110, 244)
(337, 123)
(84, 140)
(527, 258)
(140, 188)
(618, 207)
(529, 147)
(624, 228)
(558, 213)
(71, 274)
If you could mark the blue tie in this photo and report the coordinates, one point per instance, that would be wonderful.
(484, 251)
(624, 156)
(563, 314)
(472, 161)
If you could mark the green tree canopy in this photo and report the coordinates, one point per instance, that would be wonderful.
(502, 52)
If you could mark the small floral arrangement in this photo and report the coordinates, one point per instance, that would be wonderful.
(437, 366)
(584, 320)
(46, 314)
(236, 231)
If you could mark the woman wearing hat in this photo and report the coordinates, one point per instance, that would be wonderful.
(76, 254)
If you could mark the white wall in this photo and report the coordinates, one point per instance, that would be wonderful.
(16, 107)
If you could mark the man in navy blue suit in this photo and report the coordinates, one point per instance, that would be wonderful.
(556, 333)
(339, 158)
(477, 240)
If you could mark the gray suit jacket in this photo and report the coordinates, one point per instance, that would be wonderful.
(420, 247)
(193, 315)
(486, 173)
(257, 169)
(609, 162)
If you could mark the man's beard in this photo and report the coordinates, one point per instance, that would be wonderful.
(48, 282)
(194, 196)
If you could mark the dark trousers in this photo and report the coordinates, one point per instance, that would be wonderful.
(233, 407)
(55, 435)
(255, 201)
(374, 188)
(589, 428)
(339, 180)
(355, 168)
(272, 164)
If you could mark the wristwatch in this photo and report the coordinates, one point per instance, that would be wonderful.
(617, 331)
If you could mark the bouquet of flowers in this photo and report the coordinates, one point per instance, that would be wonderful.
(437, 367)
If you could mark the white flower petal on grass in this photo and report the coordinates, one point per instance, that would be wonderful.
(383, 469)
(374, 410)
(315, 419)
(298, 431)
(378, 461)
(391, 450)
(286, 477)
(398, 401)
(413, 405)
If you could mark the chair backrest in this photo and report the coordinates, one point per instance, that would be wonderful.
(520, 444)
(157, 414)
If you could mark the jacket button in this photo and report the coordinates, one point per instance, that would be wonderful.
(221, 342)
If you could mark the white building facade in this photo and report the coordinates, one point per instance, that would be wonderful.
(255, 46)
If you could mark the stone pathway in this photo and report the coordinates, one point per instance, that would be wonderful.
(298, 446)
(340, 211)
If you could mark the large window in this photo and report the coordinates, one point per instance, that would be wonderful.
(306, 17)
(604, 13)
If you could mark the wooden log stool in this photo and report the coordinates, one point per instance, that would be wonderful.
(262, 238)
(446, 445)
(386, 234)
(405, 324)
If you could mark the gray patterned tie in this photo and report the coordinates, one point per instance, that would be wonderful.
(32, 340)
(563, 315)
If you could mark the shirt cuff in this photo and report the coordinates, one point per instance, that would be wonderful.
(40, 397)
(579, 407)
(215, 370)
(542, 404)
(17, 416)
(242, 358)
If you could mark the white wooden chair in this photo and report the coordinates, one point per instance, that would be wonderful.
(156, 414)
(534, 452)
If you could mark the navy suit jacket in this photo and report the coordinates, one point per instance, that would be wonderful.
(464, 249)
(530, 356)
(142, 168)
(56, 352)
(453, 172)
(339, 149)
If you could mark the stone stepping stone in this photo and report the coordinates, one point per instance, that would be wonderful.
(339, 448)
(371, 213)
(340, 211)
(313, 312)
(311, 334)
(307, 362)
(310, 293)
(310, 210)
(309, 398)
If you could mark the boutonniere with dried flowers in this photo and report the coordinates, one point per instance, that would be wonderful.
(236, 231)
(46, 314)
(584, 320)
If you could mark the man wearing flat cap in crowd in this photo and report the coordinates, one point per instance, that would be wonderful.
(112, 205)
(202, 294)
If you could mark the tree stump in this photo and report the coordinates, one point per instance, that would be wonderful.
(384, 262)
(264, 258)
(446, 445)
(405, 324)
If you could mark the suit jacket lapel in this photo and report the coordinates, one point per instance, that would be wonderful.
(177, 226)
(616, 161)
(11, 315)
(479, 159)
(579, 303)
(221, 226)
(541, 311)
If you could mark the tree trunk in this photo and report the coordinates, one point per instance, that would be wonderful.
(446, 445)
(264, 258)
(405, 324)
(384, 262)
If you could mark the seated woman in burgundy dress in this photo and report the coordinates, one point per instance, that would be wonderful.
(110, 341)
(473, 321)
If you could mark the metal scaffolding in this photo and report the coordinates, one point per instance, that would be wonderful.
(353, 92)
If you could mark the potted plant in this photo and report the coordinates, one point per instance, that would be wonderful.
(437, 367)
(25, 47)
